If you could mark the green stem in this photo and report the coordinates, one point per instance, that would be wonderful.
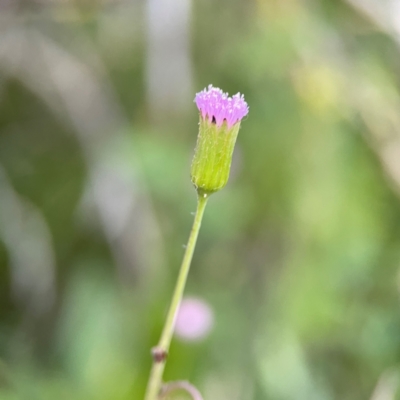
(160, 352)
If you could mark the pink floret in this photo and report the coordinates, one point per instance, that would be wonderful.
(218, 106)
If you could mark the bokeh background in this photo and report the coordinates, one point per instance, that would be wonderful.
(298, 258)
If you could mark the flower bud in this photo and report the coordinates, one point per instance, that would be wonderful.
(220, 117)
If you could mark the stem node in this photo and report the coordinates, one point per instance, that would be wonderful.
(159, 354)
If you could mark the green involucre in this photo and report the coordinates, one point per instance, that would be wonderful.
(213, 156)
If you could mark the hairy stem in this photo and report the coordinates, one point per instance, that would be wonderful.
(160, 352)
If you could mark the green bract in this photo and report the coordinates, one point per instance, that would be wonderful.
(213, 156)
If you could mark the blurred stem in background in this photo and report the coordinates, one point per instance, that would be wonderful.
(160, 352)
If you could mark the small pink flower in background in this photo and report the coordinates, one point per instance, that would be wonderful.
(194, 320)
(218, 106)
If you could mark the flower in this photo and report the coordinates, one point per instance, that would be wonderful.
(220, 117)
(194, 320)
(218, 106)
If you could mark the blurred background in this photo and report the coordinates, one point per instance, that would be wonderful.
(294, 287)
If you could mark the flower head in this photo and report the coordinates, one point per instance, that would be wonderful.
(220, 117)
(218, 106)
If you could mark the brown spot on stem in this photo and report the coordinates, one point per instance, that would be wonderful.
(159, 355)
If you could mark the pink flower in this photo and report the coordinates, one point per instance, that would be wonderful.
(194, 320)
(219, 107)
